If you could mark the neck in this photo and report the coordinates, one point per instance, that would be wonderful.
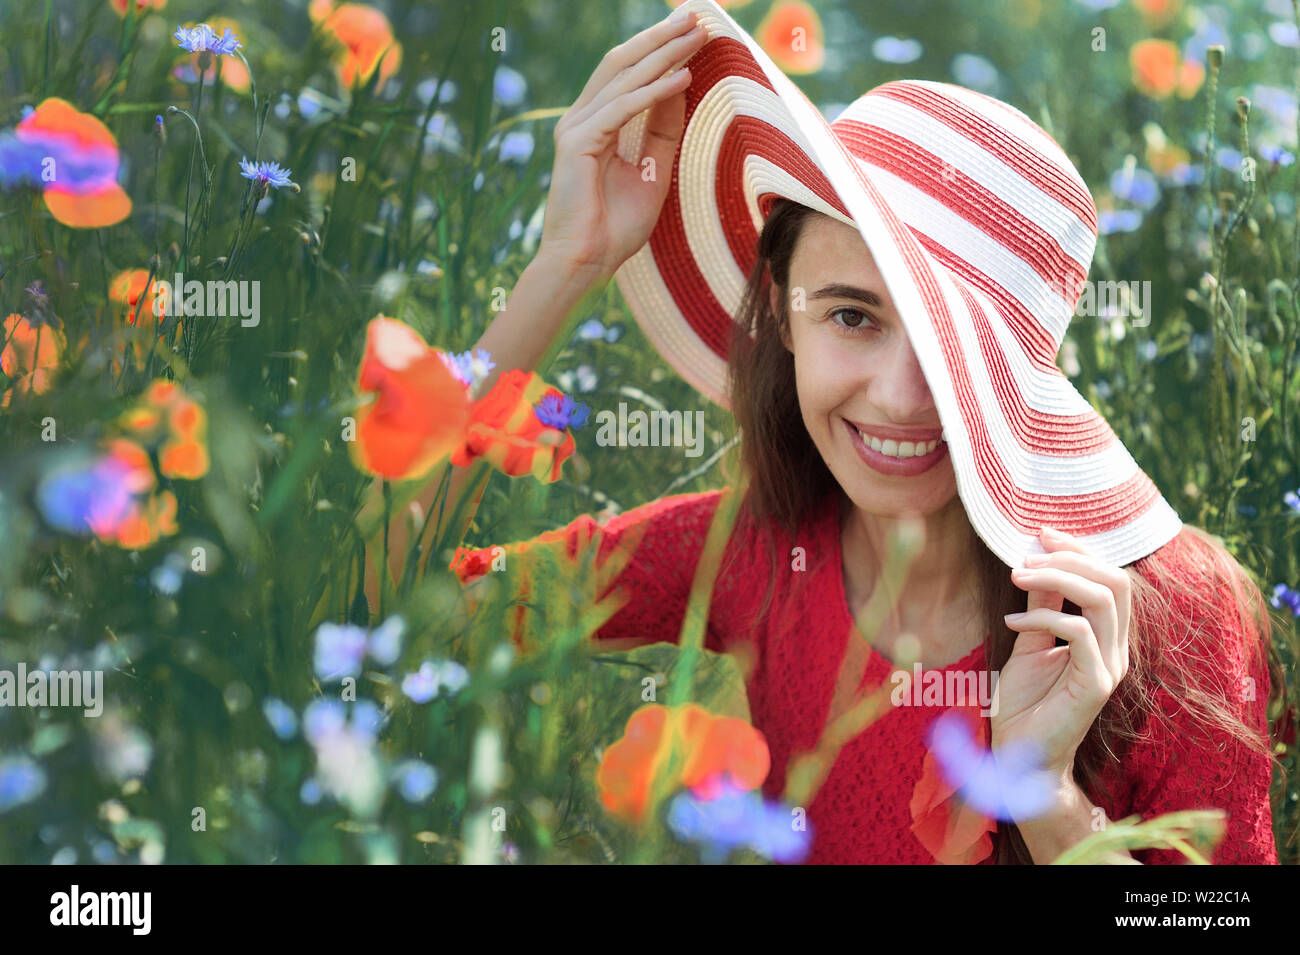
(941, 585)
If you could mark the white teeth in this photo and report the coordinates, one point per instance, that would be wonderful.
(894, 449)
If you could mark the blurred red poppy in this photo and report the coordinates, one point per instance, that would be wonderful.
(420, 411)
(505, 430)
(29, 356)
(793, 37)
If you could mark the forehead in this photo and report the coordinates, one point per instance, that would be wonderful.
(827, 247)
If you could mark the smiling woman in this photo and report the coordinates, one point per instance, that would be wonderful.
(876, 302)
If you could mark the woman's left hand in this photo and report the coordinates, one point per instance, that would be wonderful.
(1050, 695)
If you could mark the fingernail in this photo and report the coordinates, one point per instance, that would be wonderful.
(679, 15)
(1051, 532)
(1035, 560)
(1013, 617)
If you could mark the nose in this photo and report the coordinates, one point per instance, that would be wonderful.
(902, 393)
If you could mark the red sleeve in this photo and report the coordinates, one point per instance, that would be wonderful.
(646, 556)
(1183, 765)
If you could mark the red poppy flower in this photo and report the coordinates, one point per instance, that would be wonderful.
(471, 564)
(366, 38)
(421, 409)
(83, 192)
(666, 748)
(793, 37)
(1157, 13)
(1160, 71)
(953, 832)
(29, 355)
(505, 430)
(119, 6)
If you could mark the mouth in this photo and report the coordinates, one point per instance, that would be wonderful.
(896, 458)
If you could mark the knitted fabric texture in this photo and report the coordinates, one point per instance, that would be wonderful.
(862, 811)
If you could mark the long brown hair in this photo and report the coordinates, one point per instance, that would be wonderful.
(1172, 588)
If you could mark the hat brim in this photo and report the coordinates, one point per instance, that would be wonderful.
(1028, 450)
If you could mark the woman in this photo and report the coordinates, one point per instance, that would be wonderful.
(1155, 699)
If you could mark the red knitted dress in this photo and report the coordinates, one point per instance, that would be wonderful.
(863, 812)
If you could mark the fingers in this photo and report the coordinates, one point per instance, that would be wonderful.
(646, 70)
(1084, 648)
(1066, 553)
(595, 133)
(629, 52)
(1095, 600)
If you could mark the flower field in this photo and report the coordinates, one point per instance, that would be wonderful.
(246, 252)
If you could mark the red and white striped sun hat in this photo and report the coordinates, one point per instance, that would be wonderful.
(984, 232)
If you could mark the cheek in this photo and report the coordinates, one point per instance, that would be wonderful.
(826, 379)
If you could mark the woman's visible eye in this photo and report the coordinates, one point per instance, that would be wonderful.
(855, 321)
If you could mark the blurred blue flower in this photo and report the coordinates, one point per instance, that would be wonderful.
(1292, 500)
(339, 650)
(415, 780)
(21, 781)
(892, 49)
(516, 147)
(433, 677)
(561, 412)
(508, 86)
(310, 792)
(1110, 221)
(1102, 387)
(581, 379)
(1284, 34)
(202, 39)
(591, 329)
(1228, 158)
(1276, 155)
(441, 132)
(1207, 34)
(385, 644)
(1246, 510)
(1276, 103)
(1147, 350)
(425, 89)
(1009, 786)
(469, 368)
(1282, 594)
(348, 766)
(1185, 174)
(1098, 4)
(94, 493)
(283, 720)
(1136, 186)
(736, 818)
(974, 71)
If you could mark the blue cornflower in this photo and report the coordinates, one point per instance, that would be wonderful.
(892, 49)
(1292, 500)
(1282, 594)
(425, 684)
(1011, 786)
(283, 720)
(1118, 220)
(266, 173)
(469, 368)
(734, 819)
(561, 412)
(202, 39)
(1136, 186)
(21, 781)
(415, 780)
(341, 648)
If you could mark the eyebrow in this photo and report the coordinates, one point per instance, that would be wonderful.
(836, 290)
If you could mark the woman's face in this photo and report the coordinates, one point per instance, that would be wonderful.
(853, 363)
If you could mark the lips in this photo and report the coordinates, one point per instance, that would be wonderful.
(896, 466)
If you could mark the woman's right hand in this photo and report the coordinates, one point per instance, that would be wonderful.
(601, 209)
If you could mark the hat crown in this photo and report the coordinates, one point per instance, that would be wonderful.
(985, 189)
